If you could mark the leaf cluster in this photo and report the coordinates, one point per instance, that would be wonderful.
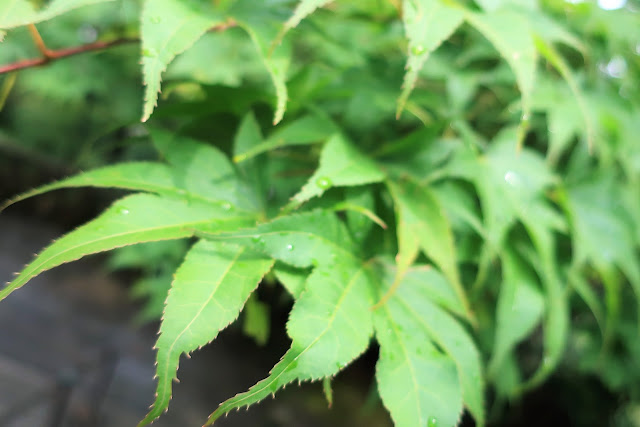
(454, 180)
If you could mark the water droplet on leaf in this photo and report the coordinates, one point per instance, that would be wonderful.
(418, 49)
(123, 211)
(432, 422)
(226, 206)
(324, 183)
(149, 53)
(289, 247)
(512, 178)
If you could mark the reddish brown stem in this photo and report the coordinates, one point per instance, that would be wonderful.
(63, 53)
(50, 55)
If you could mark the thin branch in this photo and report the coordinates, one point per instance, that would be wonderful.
(50, 55)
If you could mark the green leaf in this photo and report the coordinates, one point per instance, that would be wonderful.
(304, 9)
(141, 176)
(306, 130)
(247, 137)
(208, 292)
(341, 165)
(422, 223)
(257, 322)
(16, 13)
(169, 27)
(418, 383)
(540, 228)
(492, 5)
(549, 52)
(427, 24)
(133, 219)
(519, 309)
(203, 170)
(602, 233)
(508, 183)
(362, 200)
(330, 325)
(511, 35)
(412, 319)
(262, 22)
(292, 278)
(302, 240)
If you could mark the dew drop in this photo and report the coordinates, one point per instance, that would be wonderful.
(432, 422)
(418, 49)
(226, 206)
(123, 211)
(324, 183)
(512, 178)
(149, 53)
(255, 239)
(289, 247)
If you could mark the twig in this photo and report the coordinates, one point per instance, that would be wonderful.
(50, 55)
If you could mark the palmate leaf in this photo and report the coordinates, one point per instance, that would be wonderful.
(331, 322)
(330, 325)
(16, 13)
(208, 292)
(341, 165)
(427, 24)
(133, 219)
(169, 27)
(420, 384)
